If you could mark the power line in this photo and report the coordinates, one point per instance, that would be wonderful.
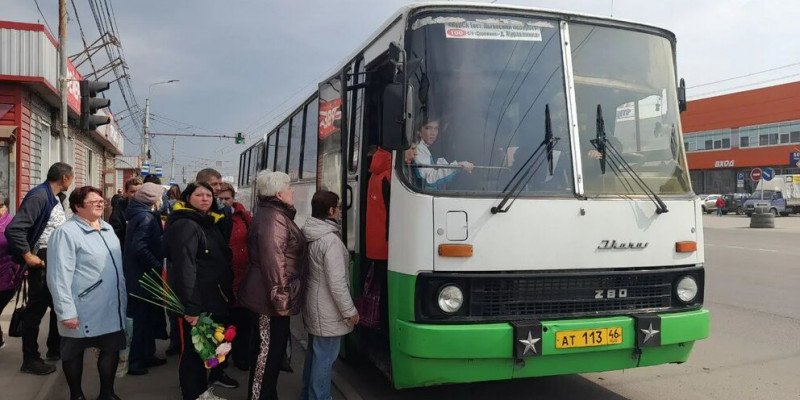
(43, 18)
(695, 96)
(744, 76)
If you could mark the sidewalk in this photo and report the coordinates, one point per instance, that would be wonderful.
(161, 383)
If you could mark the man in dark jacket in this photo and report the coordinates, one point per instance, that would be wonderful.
(40, 213)
(117, 217)
(143, 255)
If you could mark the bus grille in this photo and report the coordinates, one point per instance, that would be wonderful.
(557, 294)
(569, 295)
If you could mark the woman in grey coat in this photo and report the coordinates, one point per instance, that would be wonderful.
(329, 312)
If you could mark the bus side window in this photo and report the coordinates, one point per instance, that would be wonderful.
(309, 163)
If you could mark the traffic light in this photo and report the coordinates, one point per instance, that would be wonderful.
(239, 138)
(90, 104)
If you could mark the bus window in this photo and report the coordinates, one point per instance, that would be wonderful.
(482, 107)
(242, 176)
(330, 133)
(295, 145)
(270, 157)
(309, 169)
(283, 146)
(631, 76)
(356, 114)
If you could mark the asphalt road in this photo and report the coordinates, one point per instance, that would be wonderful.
(753, 352)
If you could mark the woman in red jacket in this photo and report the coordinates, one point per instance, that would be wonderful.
(240, 317)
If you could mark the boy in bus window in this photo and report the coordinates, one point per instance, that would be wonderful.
(433, 178)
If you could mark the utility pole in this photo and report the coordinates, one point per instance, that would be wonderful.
(146, 132)
(172, 170)
(62, 48)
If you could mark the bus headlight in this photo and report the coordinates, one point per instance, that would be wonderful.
(686, 289)
(450, 299)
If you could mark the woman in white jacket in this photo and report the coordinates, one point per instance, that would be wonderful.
(329, 311)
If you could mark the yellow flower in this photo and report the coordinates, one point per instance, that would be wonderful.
(221, 359)
(219, 336)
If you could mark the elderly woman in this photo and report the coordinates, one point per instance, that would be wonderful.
(273, 286)
(85, 277)
(329, 313)
(199, 273)
(143, 254)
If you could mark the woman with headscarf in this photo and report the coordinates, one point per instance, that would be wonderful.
(274, 283)
(143, 254)
(198, 270)
(85, 277)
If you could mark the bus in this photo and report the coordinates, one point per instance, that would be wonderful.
(565, 238)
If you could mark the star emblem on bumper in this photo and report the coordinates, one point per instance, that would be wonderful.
(649, 333)
(530, 344)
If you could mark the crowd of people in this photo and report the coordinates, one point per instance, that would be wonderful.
(253, 272)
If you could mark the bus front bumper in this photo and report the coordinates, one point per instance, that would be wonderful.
(425, 355)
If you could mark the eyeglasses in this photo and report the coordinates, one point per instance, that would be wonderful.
(94, 203)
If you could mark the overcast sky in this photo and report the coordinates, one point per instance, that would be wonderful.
(239, 61)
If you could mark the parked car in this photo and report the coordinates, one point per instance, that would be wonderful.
(710, 203)
(734, 202)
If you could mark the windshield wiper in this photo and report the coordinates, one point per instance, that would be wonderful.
(529, 167)
(606, 149)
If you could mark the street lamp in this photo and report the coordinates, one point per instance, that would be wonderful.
(146, 133)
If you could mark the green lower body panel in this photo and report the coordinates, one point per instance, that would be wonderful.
(427, 354)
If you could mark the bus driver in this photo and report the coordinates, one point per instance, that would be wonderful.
(431, 178)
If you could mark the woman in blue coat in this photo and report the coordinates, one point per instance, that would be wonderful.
(143, 253)
(84, 274)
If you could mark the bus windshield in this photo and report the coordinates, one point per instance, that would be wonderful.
(481, 85)
(485, 87)
(631, 76)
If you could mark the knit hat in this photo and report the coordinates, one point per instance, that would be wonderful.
(149, 193)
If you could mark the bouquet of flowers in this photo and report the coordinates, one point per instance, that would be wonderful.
(212, 341)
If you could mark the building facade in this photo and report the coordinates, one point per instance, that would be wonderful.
(727, 136)
(30, 119)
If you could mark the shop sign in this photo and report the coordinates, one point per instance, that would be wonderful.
(73, 88)
(724, 163)
(794, 159)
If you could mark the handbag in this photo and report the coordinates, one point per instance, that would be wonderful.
(368, 305)
(15, 326)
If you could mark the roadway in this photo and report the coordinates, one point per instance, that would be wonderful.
(753, 352)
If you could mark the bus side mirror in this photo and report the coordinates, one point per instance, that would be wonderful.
(394, 118)
(682, 96)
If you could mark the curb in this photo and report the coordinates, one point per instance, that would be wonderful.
(338, 381)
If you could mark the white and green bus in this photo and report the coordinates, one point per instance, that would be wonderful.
(574, 242)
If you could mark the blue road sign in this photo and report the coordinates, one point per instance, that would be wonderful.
(740, 176)
(158, 171)
(794, 158)
(767, 174)
(145, 169)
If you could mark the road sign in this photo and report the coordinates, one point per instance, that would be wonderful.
(145, 169)
(740, 176)
(158, 171)
(768, 174)
(794, 158)
(755, 174)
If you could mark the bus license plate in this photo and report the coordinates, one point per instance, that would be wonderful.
(589, 337)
